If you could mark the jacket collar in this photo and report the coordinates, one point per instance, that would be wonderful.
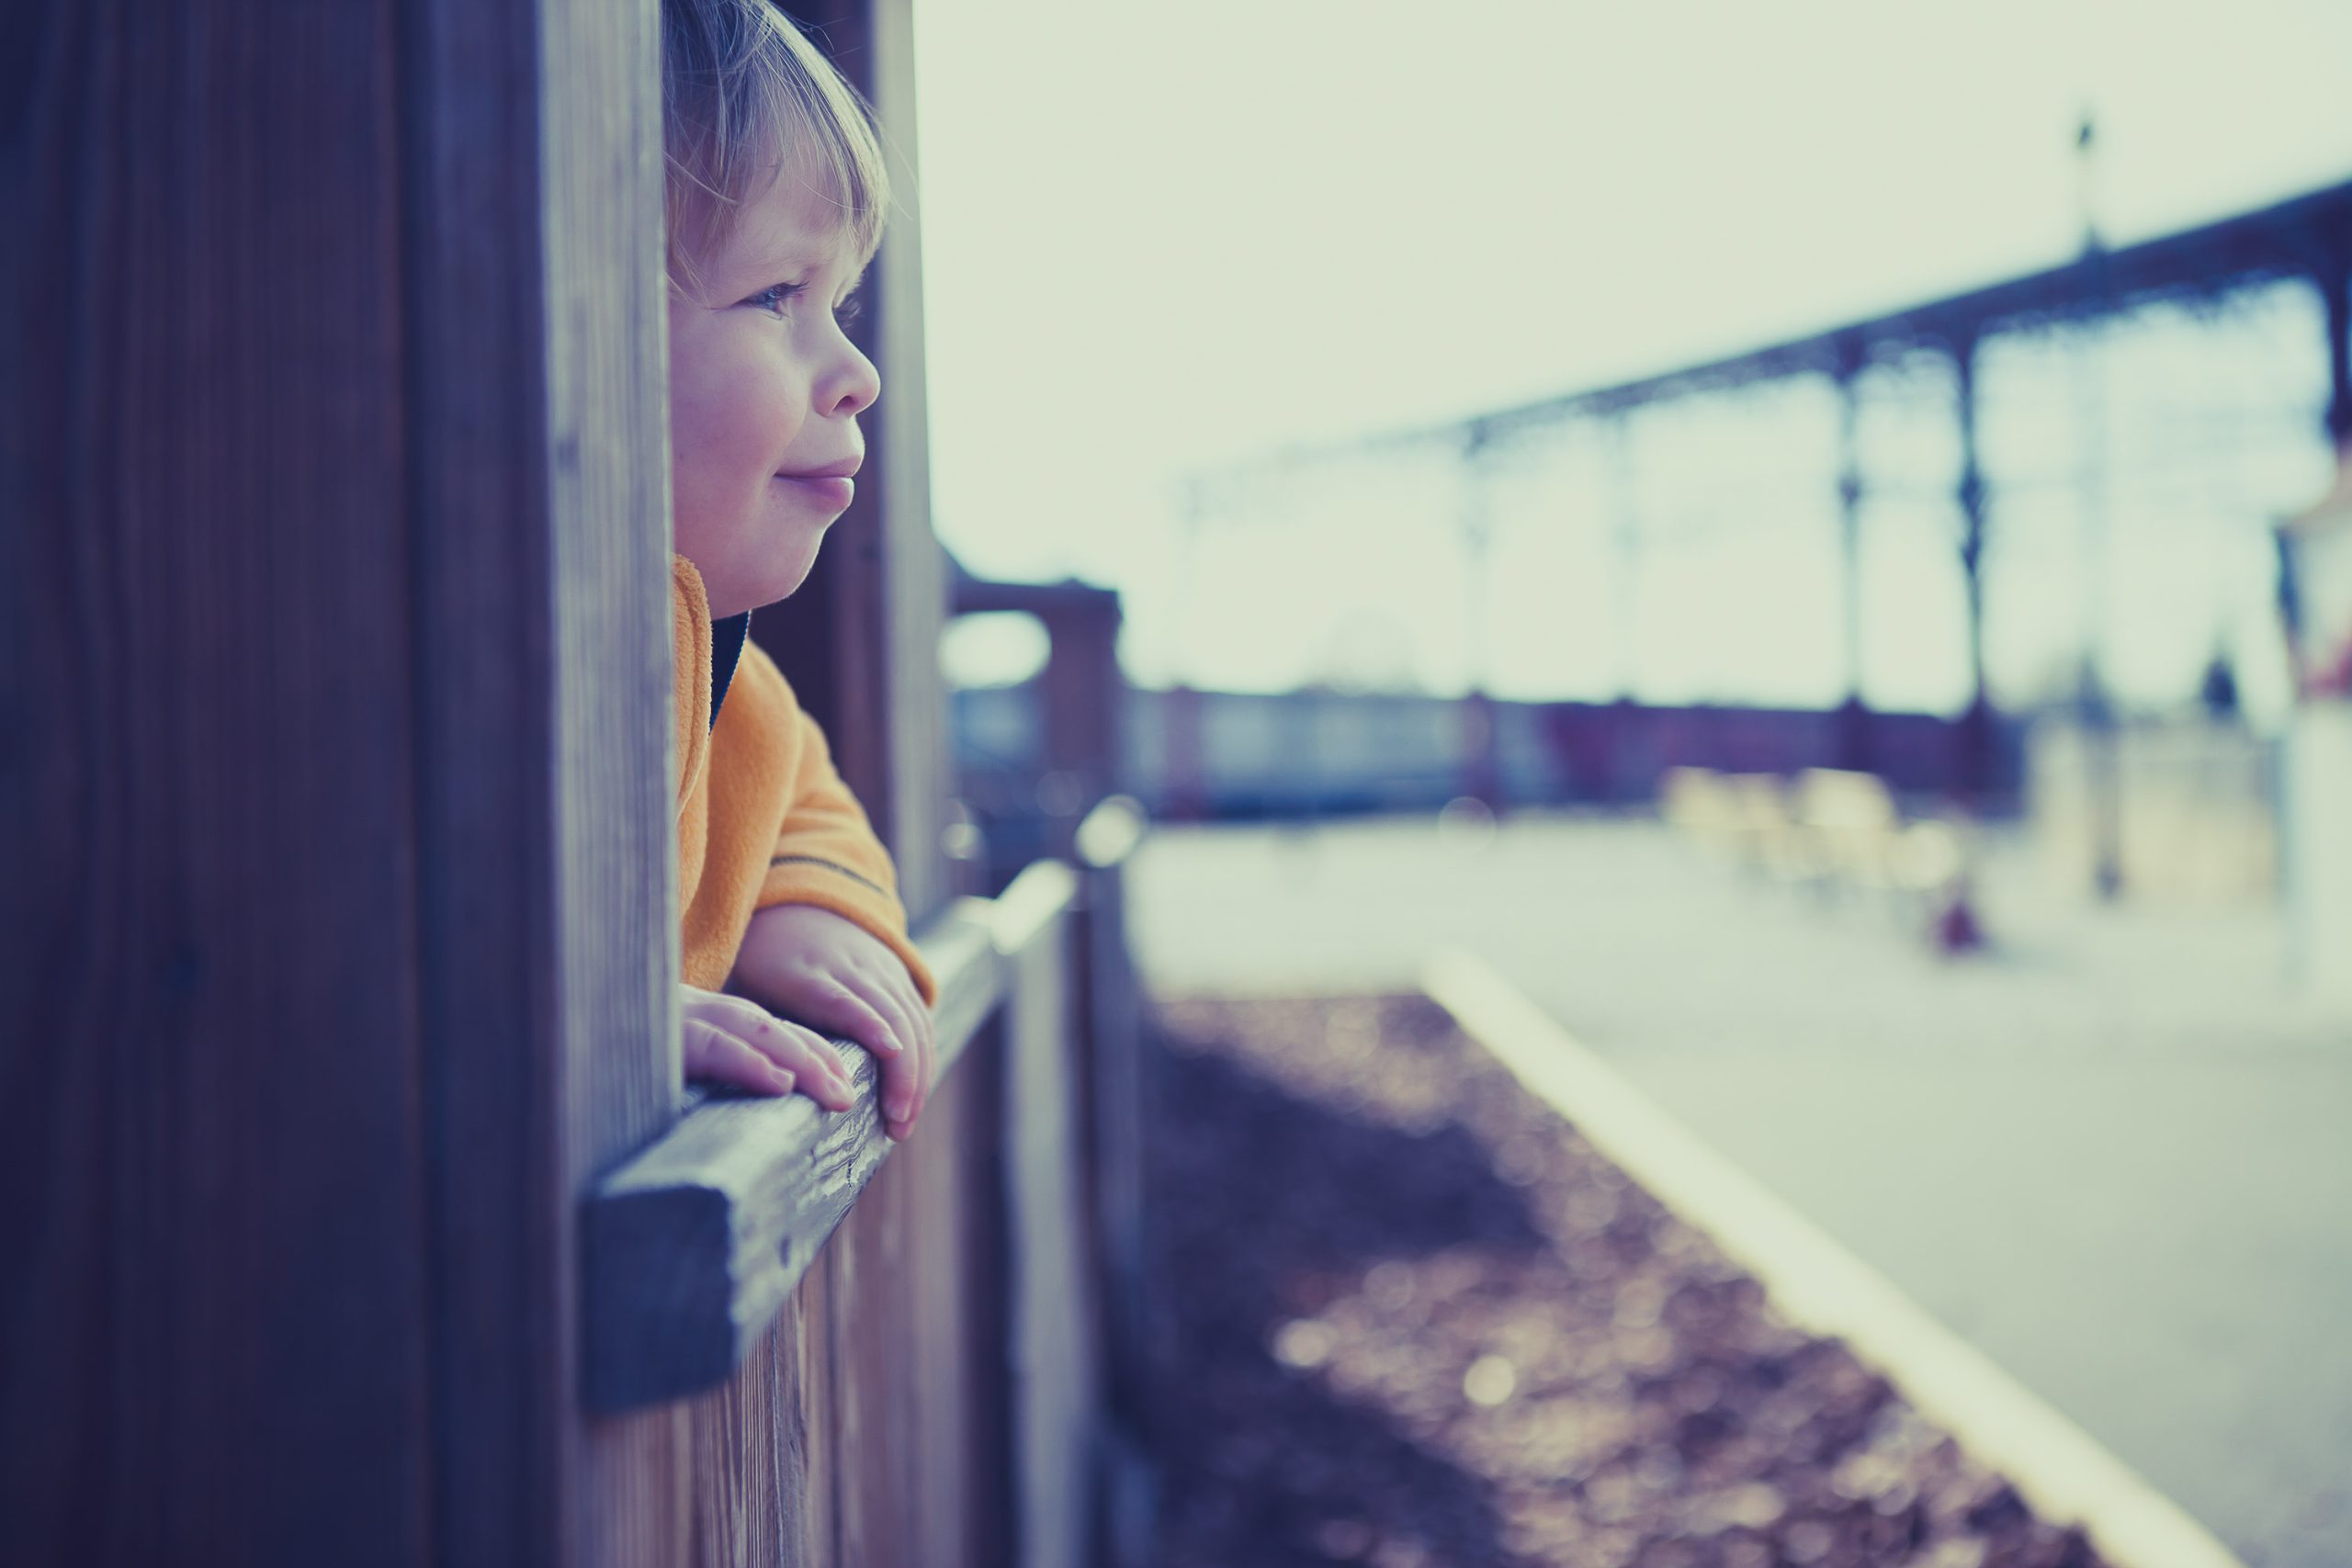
(727, 640)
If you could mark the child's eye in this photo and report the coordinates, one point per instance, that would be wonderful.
(850, 308)
(772, 300)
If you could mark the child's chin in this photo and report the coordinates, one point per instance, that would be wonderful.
(788, 582)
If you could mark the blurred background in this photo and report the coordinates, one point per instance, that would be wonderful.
(1810, 536)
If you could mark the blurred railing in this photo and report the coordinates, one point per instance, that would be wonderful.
(693, 1249)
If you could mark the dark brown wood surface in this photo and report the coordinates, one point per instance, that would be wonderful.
(212, 1112)
(543, 487)
(332, 785)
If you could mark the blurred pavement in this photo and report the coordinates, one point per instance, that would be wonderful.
(2113, 1152)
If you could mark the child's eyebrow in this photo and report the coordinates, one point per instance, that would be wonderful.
(775, 265)
(797, 251)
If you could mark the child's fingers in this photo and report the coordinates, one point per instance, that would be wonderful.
(803, 1050)
(912, 1020)
(900, 1092)
(824, 1076)
(907, 1022)
(853, 1010)
(805, 1058)
(906, 1067)
(923, 1082)
(712, 1053)
(924, 1065)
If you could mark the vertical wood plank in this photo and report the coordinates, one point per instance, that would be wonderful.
(941, 1533)
(1108, 1072)
(744, 1488)
(875, 1283)
(1055, 1309)
(334, 799)
(542, 556)
(762, 1468)
(962, 1438)
(819, 1537)
(210, 1125)
(966, 1327)
(605, 446)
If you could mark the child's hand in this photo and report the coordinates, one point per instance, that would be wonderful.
(731, 1041)
(827, 972)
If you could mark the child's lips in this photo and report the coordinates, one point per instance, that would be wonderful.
(831, 491)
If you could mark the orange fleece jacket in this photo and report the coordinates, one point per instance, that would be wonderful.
(762, 818)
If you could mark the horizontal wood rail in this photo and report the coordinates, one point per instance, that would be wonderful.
(690, 1248)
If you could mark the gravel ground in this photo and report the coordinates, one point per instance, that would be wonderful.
(1407, 1317)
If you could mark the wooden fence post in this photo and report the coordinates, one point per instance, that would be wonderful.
(334, 937)
(1107, 1051)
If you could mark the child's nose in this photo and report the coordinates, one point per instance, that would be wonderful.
(850, 385)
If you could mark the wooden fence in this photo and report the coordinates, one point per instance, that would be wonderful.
(353, 1214)
(981, 1369)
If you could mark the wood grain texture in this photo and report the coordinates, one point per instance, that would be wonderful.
(770, 1481)
(694, 1246)
(335, 624)
(209, 1128)
(545, 940)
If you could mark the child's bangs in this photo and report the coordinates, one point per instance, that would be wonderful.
(833, 152)
(748, 108)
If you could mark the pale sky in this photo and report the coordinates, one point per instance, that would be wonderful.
(1163, 237)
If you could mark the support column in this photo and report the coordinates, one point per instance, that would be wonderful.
(1853, 718)
(1975, 769)
(2096, 707)
(1481, 759)
(1628, 539)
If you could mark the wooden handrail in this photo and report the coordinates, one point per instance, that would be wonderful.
(690, 1250)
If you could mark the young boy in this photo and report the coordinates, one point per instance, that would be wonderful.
(776, 198)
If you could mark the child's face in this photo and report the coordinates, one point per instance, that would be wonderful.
(764, 395)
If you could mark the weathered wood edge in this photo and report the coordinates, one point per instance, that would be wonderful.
(690, 1248)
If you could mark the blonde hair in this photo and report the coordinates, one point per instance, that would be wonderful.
(746, 101)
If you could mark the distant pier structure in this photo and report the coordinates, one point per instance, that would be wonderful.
(2306, 242)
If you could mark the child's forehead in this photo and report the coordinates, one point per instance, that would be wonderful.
(789, 219)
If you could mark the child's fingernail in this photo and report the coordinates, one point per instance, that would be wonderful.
(782, 1079)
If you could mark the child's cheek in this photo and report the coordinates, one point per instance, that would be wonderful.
(713, 445)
